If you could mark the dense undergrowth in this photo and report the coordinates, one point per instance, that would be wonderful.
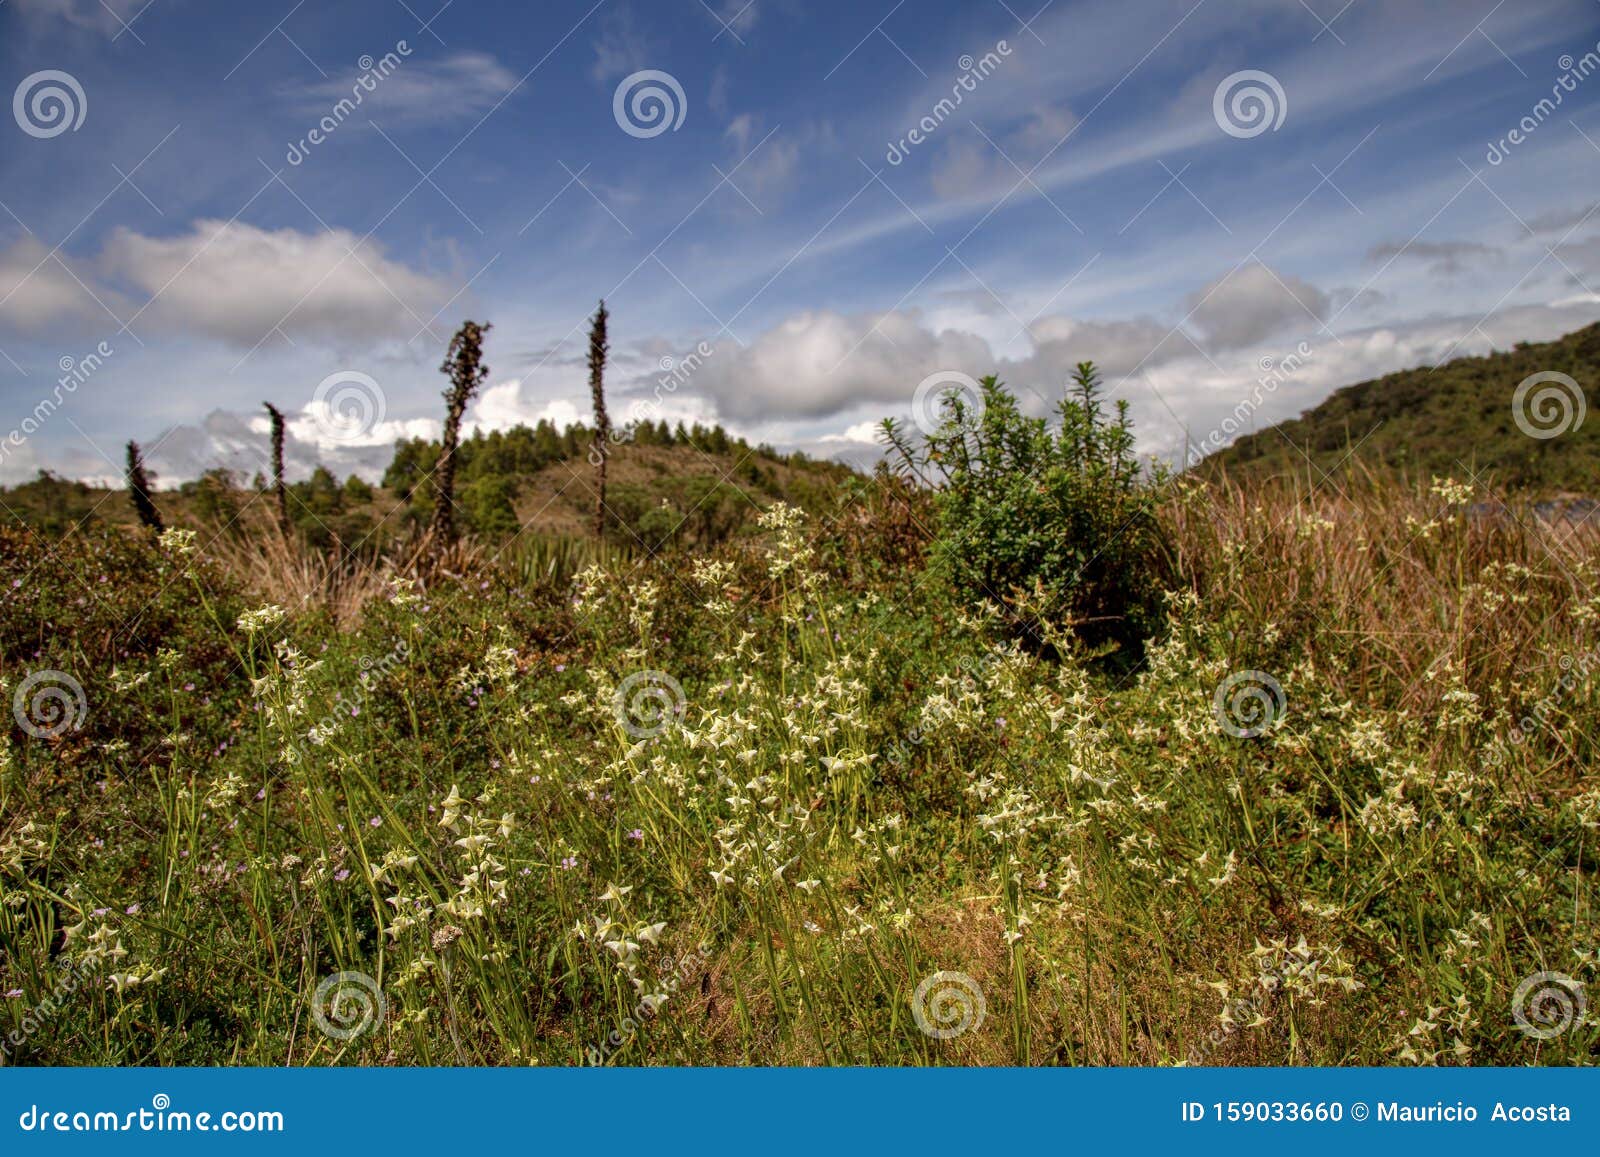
(760, 805)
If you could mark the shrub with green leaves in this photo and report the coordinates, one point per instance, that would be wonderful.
(1053, 523)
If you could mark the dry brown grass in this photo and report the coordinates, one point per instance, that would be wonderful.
(1391, 578)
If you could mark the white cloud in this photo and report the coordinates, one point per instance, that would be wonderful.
(237, 283)
(96, 15)
(503, 405)
(37, 291)
(820, 363)
(1253, 303)
(968, 166)
(239, 443)
(459, 86)
(862, 433)
(620, 49)
(1117, 347)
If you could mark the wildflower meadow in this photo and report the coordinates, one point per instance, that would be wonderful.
(823, 794)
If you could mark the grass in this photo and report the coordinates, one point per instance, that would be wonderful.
(787, 803)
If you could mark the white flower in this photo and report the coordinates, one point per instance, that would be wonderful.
(262, 618)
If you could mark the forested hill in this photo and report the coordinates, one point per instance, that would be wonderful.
(1459, 417)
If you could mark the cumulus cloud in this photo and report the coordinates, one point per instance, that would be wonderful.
(38, 290)
(233, 283)
(506, 404)
(1117, 347)
(237, 283)
(820, 363)
(241, 444)
(1253, 303)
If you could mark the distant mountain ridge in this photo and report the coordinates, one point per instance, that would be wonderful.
(1458, 418)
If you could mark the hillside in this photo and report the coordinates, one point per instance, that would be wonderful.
(1446, 421)
(694, 488)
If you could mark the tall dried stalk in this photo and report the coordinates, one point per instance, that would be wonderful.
(279, 490)
(464, 365)
(139, 490)
(598, 348)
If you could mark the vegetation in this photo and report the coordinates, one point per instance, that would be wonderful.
(467, 371)
(598, 348)
(1056, 527)
(139, 490)
(1454, 419)
(913, 775)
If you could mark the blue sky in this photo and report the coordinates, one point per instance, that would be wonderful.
(1085, 198)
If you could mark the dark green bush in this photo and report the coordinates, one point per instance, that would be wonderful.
(1054, 525)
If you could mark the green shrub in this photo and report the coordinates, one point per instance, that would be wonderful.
(1055, 526)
